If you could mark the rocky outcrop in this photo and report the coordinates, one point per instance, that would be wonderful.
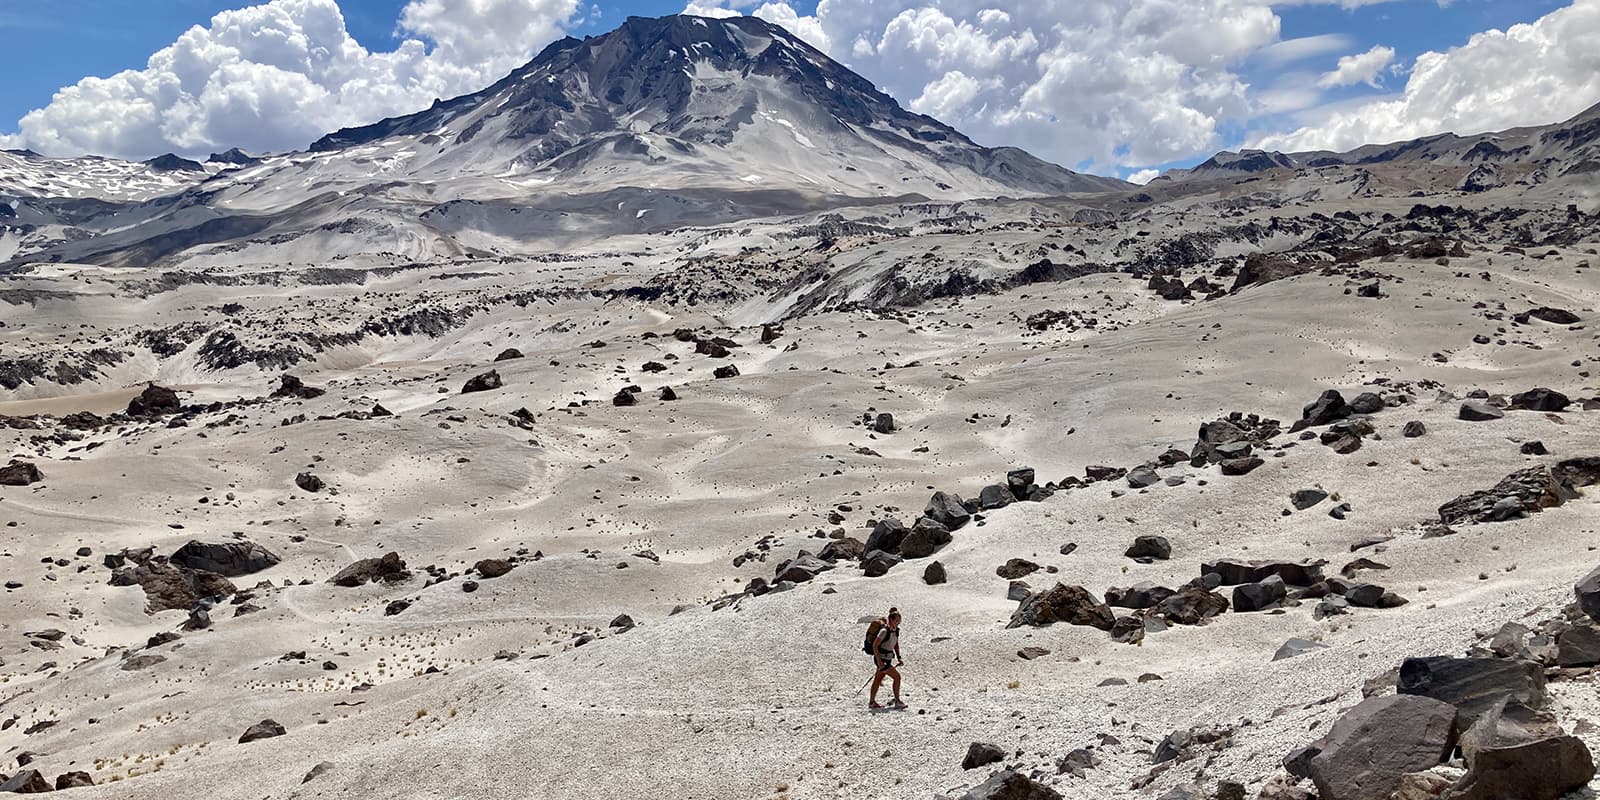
(154, 401)
(20, 473)
(170, 587)
(391, 568)
(1062, 603)
(1011, 785)
(1524, 492)
(228, 559)
(265, 729)
(487, 382)
(1473, 685)
(1379, 741)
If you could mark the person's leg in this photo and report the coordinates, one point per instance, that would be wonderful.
(894, 676)
(877, 682)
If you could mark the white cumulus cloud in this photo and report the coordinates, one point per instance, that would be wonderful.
(1540, 72)
(1097, 82)
(278, 75)
(1364, 68)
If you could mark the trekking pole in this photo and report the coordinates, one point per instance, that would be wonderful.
(869, 681)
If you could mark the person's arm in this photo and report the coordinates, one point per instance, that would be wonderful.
(897, 655)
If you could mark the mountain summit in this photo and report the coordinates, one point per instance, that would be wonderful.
(660, 124)
(693, 101)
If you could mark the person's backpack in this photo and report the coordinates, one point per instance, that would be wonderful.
(870, 646)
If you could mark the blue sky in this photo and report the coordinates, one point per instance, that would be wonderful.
(56, 45)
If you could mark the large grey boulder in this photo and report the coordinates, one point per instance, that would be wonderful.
(1062, 603)
(1473, 685)
(1329, 407)
(1588, 591)
(265, 729)
(1150, 547)
(801, 568)
(1515, 753)
(995, 496)
(1234, 572)
(1479, 411)
(228, 559)
(947, 509)
(1371, 748)
(925, 539)
(20, 473)
(982, 754)
(391, 568)
(1261, 596)
(887, 535)
(1011, 785)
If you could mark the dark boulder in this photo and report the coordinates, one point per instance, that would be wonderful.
(265, 729)
(845, 549)
(995, 496)
(1021, 481)
(487, 382)
(934, 574)
(1367, 403)
(508, 354)
(1375, 744)
(1554, 316)
(171, 588)
(1479, 411)
(1306, 498)
(27, 781)
(1295, 648)
(228, 559)
(73, 780)
(725, 371)
(1328, 408)
(802, 568)
(1139, 595)
(1240, 466)
(391, 568)
(309, 482)
(1414, 429)
(1016, 568)
(887, 535)
(1191, 606)
(1473, 685)
(1010, 785)
(1141, 477)
(493, 567)
(1262, 596)
(291, 386)
(947, 509)
(884, 424)
(1526, 491)
(925, 539)
(1234, 572)
(154, 401)
(982, 754)
(877, 563)
(1150, 547)
(1062, 603)
(1579, 645)
(20, 473)
(1588, 592)
(1540, 399)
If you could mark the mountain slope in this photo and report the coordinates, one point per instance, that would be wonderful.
(1568, 147)
(660, 124)
(685, 100)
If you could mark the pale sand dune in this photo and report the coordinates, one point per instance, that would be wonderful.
(756, 700)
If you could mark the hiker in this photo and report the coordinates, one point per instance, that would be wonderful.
(886, 655)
